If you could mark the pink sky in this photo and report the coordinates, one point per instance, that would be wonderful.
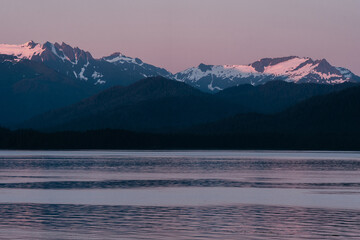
(177, 34)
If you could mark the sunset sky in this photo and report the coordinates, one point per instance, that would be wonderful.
(177, 34)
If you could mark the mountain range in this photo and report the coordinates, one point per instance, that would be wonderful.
(118, 69)
(214, 78)
(55, 87)
(36, 78)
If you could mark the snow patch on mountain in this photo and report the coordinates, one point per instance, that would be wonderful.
(99, 81)
(81, 74)
(295, 76)
(226, 71)
(212, 88)
(119, 58)
(96, 75)
(284, 68)
(136, 65)
(53, 49)
(345, 72)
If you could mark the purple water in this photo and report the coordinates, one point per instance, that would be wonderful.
(179, 195)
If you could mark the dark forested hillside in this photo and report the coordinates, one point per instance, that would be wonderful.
(161, 105)
(326, 122)
(335, 113)
(152, 104)
(28, 88)
(120, 139)
(276, 96)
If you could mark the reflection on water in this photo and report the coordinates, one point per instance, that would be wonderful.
(34, 221)
(179, 195)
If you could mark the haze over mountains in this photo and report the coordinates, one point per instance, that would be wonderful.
(55, 87)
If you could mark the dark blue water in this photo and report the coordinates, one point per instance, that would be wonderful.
(179, 195)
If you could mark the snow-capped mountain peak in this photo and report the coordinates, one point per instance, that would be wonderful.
(65, 53)
(23, 51)
(44, 52)
(136, 64)
(31, 44)
(292, 69)
(119, 69)
(75, 63)
(119, 58)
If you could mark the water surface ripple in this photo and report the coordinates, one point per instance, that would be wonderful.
(179, 195)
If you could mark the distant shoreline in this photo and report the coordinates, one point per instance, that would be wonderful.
(108, 139)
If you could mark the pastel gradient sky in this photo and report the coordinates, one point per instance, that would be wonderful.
(177, 34)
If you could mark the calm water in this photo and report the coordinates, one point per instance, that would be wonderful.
(179, 195)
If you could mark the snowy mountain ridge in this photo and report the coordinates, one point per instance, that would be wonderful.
(116, 69)
(291, 69)
(119, 69)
